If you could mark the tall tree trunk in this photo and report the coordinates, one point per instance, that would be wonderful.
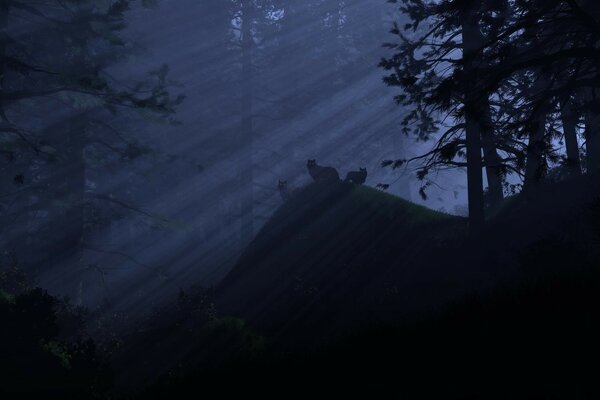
(65, 249)
(534, 167)
(473, 40)
(246, 131)
(75, 219)
(591, 97)
(3, 43)
(592, 130)
(493, 162)
(472, 101)
(399, 147)
(569, 119)
(76, 176)
(536, 148)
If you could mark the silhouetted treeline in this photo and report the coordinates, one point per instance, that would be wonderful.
(507, 84)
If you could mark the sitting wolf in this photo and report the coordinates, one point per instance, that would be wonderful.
(320, 174)
(359, 177)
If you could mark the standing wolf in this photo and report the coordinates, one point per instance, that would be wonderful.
(320, 174)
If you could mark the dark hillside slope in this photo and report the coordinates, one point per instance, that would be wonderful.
(340, 250)
(515, 310)
(533, 341)
(340, 254)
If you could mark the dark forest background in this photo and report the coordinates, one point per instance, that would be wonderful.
(152, 191)
(158, 222)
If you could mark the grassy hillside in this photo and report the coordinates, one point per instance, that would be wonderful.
(337, 255)
(435, 314)
(338, 249)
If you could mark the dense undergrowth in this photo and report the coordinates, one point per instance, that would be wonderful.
(44, 353)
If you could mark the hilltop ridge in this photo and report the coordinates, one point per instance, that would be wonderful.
(338, 254)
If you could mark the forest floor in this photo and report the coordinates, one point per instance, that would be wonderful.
(347, 288)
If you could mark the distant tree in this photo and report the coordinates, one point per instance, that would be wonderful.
(247, 18)
(255, 24)
(55, 59)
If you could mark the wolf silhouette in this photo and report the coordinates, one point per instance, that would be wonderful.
(319, 173)
(359, 177)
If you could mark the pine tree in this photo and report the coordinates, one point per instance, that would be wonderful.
(493, 67)
(57, 63)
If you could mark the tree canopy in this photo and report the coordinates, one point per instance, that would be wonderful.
(505, 80)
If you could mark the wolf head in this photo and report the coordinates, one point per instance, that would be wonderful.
(311, 163)
(363, 169)
(282, 184)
